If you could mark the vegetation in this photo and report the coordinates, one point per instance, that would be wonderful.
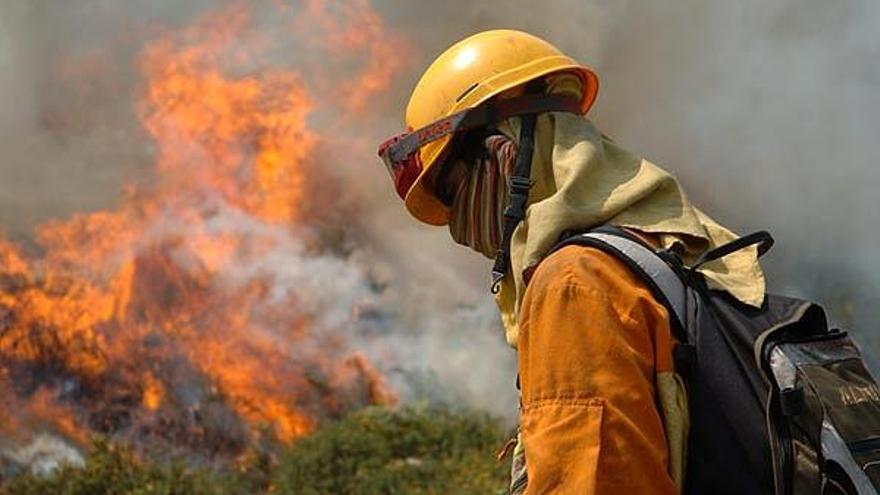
(413, 450)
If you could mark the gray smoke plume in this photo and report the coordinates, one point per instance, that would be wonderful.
(767, 112)
(70, 82)
(43, 455)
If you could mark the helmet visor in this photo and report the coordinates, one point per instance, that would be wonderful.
(401, 153)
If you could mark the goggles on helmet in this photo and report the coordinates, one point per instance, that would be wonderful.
(401, 153)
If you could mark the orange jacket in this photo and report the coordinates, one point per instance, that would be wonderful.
(592, 339)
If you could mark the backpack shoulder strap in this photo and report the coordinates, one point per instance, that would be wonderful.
(665, 284)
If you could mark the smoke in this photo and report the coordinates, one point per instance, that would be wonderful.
(767, 112)
(68, 132)
(44, 454)
(406, 296)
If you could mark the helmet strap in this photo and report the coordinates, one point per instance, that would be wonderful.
(517, 198)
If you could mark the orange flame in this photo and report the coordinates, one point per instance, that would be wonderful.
(153, 393)
(123, 303)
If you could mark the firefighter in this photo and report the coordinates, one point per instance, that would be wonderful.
(499, 148)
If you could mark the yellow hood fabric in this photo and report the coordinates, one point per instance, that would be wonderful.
(582, 180)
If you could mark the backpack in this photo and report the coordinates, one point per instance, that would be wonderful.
(779, 403)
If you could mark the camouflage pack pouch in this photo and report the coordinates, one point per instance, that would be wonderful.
(824, 409)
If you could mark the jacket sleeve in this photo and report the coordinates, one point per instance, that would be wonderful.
(589, 337)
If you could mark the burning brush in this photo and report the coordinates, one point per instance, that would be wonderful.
(208, 310)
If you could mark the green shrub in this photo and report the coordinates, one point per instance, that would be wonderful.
(413, 450)
(112, 469)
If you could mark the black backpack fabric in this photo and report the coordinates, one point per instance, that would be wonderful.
(778, 402)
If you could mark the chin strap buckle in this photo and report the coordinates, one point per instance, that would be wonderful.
(498, 275)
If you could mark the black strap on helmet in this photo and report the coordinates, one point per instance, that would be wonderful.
(489, 112)
(517, 197)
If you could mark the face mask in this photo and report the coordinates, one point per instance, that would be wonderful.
(477, 211)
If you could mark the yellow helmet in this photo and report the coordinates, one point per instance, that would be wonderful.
(466, 75)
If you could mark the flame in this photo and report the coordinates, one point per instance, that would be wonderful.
(159, 307)
(153, 393)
